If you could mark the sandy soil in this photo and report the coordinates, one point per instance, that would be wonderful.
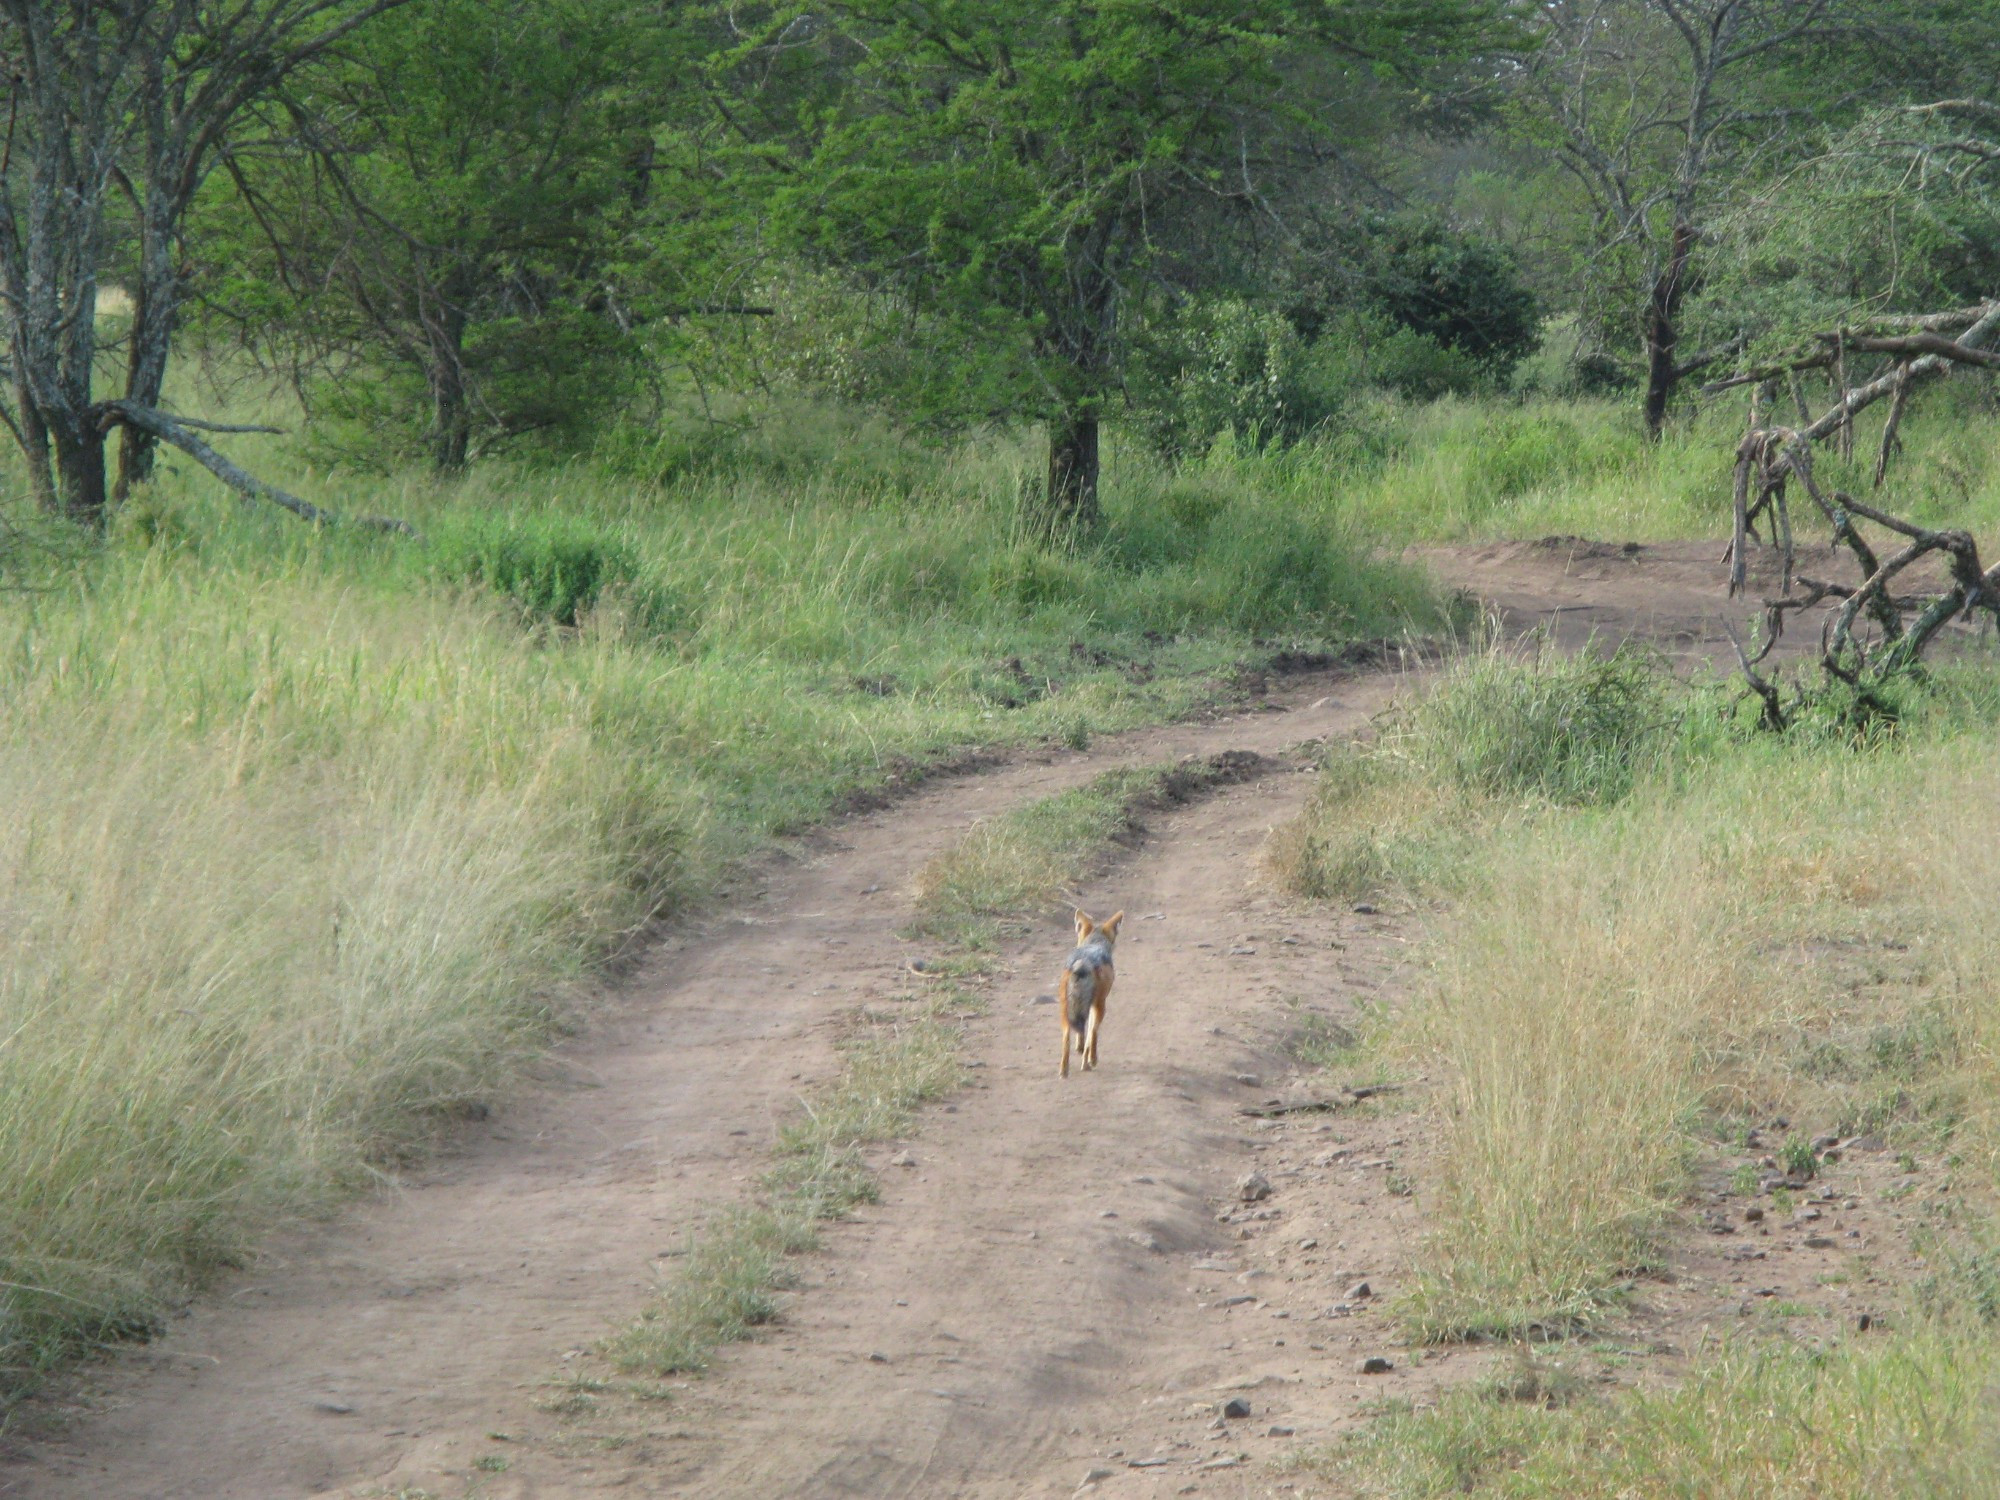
(1064, 1280)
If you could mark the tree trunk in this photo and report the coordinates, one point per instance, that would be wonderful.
(1070, 501)
(156, 301)
(35, 446)
(451, 414)
(1662, 335)
(80, 471)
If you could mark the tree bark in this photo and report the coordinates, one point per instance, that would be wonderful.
(1071, 496)
(451, 414)
(80, 472)
(1662, 332)
(35, 451)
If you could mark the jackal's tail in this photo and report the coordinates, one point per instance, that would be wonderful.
(1082, 990)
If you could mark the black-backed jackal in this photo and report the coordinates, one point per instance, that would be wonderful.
(1086, 984)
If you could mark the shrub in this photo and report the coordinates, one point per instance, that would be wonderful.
(554, 568)
(1228, 367)
(1573, 729)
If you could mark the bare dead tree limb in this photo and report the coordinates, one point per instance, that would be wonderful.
(1774, 708)
(175, 431)
(1768, 456)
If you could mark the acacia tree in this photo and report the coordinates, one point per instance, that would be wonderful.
(458, 211)
(1660, 110)
(1011, 167)
(115, 112)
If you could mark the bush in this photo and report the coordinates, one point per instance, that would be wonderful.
(1457, 290)
(554, 568)
(1463, 292)
(1229, 367)
(1573, 729)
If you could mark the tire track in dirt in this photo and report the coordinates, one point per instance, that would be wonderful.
(376, 1355)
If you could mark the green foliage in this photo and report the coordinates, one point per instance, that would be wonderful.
(555, 567)
(468, 247)
(1227, 367)
(1460, 290)
(1899, 212)
(1009, 169)
(1573, 729)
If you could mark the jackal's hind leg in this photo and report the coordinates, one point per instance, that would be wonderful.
(1064, 1071)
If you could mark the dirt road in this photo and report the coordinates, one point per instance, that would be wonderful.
(1047, 1291)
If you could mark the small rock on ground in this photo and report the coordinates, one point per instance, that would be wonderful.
(1375, 1364)
(1253, 1186)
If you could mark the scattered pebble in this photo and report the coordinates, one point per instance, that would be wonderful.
(1236, 1407)
(1279, 1432)
(1146, 1241)
(1364, 908)
(878, 1358)
(1094, 1476)
(902, 1159)
(334, 1408)
(1252, 1187)
(1248, 1080)
(1361, 1291)
(1375, 1364)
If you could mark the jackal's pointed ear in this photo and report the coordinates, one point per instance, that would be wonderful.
(1110, 928)
(1083, 925)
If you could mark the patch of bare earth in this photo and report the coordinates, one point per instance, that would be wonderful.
(1063, 1281)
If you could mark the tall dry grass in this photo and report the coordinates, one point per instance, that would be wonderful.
(1753, 928)
(1663, 924)
(1801, 932)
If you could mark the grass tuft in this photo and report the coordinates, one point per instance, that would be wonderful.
(1030, 858)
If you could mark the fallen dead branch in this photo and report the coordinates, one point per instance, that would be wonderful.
(176, 430)
(1870, 631)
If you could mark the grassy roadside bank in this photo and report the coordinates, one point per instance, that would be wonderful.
(1653, 938)
(303, 835)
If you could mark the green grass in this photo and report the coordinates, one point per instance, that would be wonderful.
(1030, 858)
(1478, 469)
(1903, 1415)
(1503, 731)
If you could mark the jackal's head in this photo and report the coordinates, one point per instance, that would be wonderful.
(1086, 925)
